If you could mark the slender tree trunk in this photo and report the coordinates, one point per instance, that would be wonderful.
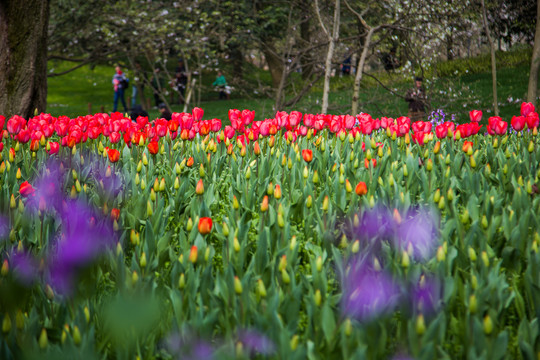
(274, 63)
(493, 60)
(306, 60)
(535, 61)
(360, 71)
(331, 46)
(23, 56)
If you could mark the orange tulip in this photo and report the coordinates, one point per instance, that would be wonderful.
(153, 147)
(193, 254)
(264, 204)
(361, 188)
(190, 161)
(114, 155)
(199, 189)
(205, 225)
(307, 155)
(115, 214)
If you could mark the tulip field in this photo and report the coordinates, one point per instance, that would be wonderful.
(305, 236)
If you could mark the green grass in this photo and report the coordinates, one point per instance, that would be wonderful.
(72, 93)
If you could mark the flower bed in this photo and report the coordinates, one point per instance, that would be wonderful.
(301, 236)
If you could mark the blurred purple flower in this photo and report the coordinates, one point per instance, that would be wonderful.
(85, 236)
(48, 195)
(112, 184)
(426, 295)
(376, 223)
(256, 342)
(189, 348)
(25, 267)
(366, 292)
(419, 228)
(4, 226)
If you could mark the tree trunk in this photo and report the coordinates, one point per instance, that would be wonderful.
(535, 61)
(328, 63)
(274, 62)
(306, 59)
(23, 57)
(493, 61)
(359, 72)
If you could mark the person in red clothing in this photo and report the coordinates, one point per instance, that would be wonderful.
(120, 84)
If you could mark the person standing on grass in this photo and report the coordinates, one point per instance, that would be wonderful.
(120, 83)
(221, 85)
(417, 99)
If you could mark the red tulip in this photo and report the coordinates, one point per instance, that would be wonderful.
(1, 146)
(114, 155)
(532, 120)
(197, 114)
(26, 189)
(361, 188)
(153, 147)
(54, 148)
(115, 214)
(526, 108)
(518, 122)
(205, 225)
(475, 115)
(34, 145)
(307, 155)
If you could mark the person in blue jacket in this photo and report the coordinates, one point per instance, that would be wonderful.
(120, 84)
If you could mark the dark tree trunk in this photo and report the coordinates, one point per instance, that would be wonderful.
(306, 60)
(535, 62)
(275, 64)
(23, 56)
(237, 61)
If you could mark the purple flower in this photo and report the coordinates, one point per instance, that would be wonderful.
(4, 226)
(25, 267)
(426, 295)
(366, 292)
(85, 236)
(256, 342)
(48, 195)
(189, 348)
(419, 229)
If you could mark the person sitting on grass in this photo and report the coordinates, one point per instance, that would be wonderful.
(221, 85)
(164, 112)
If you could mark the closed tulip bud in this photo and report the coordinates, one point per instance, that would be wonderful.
(264, 204)
(294, 340)
(282, 263)
(420, 325)
(152, 195)
(485, 259)
(437, 196)
(293, 243)
(182, 281)
(355, 247)
(531, 147)
(484, 222)
(437, 147)
(43, 340)
(309, 202)
(236, 205)
(473, 304)
(142, 261)
(143, 184)
(405, 170)
(280, 220)
(5, 268)
(450, 194)
(317, 297)
(315, 177)
(488, 325)
(429, 165)
(285, 277)
(149, 209)
(236, 244)
(277, 192)
(441, 203)
(19, 320)
(76, 336)
(348, 186)
(6, 324)
(472, 161)
(261, 289)
(474, 282)
(319, 263)
(134, 278)
(306, 172)
(270, 189)
(18, 175)
(193, 253)
(284, 160)
(472, 254)
(237, 285)
(176, 183)
(289, 164)
(405, 260)
(534, 246)
(199, 189)
(2, 167)
(144, 159)
(225, 229)
(441, 256)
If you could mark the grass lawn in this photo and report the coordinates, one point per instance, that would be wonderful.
(90, 89)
